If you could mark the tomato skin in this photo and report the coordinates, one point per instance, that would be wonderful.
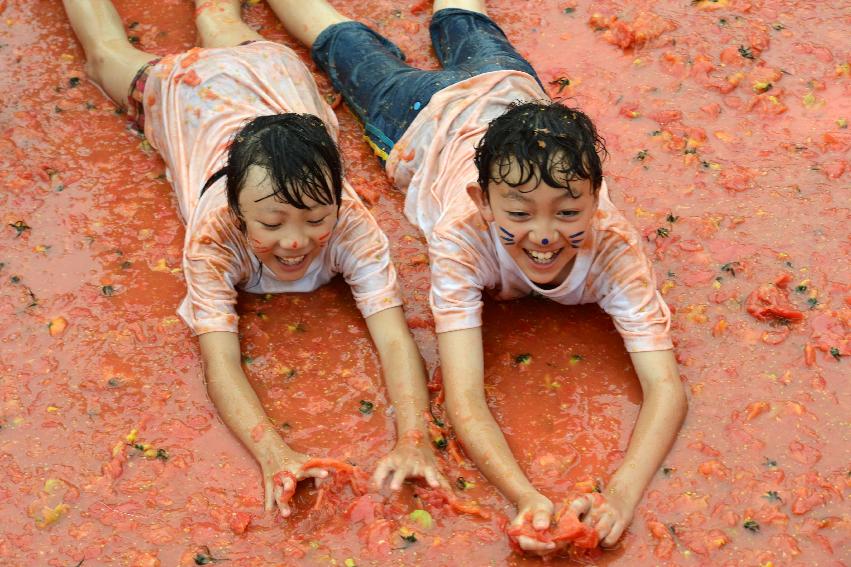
(787, 543)
(805, 502)
(755, 409)
(665, 542)
(804, 453)
(776, 337)
(809, 355)
(714, 468)
(239, 522)
(768, 303)
(362, 509)
(377, 536)
(438, 497)
(420, 6)
(782, 280)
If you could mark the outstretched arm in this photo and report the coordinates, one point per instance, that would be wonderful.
(406, 384)
(242, 412)
(462, 363)
(662, 412)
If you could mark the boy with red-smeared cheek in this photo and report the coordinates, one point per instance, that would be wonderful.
(275, 214)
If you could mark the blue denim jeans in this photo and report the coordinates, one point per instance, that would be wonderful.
(385, 92)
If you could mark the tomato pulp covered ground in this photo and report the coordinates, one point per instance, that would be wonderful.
(727, 127)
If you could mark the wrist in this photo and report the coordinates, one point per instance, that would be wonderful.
(412, 437)
(526, 496)
(272, 450)
(619, 490)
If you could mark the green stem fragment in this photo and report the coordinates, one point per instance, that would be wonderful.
(366, 407)
(751, 525)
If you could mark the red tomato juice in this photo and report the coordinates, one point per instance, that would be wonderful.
(727, 127)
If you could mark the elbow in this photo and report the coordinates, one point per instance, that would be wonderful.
(212, 382)
(670, 396)
(219, 380)
(396, 347)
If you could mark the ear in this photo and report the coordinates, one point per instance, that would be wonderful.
(480, 198)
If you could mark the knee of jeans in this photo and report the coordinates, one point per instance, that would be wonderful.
(332, 42)
(359, 33)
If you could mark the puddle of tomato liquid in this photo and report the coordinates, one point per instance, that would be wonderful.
(726, 122)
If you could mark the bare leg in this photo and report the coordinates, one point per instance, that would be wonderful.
(220, 24)
(472, 5)
(111, 60)
(305, 20)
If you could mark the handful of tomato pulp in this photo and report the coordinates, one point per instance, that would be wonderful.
(345, 474)
(570, 535)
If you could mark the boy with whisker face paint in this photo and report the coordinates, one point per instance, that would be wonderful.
(511, 199)
(249, 147)
(541, 191)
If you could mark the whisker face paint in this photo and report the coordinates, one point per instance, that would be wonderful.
(323, 240)
(576, 239)
(506, 236)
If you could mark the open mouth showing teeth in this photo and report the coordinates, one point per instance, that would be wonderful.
(291, 261)
(543, 258)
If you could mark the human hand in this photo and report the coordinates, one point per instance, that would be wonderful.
(408, 460)
(608, 516)
(534, 514)
(281, 471)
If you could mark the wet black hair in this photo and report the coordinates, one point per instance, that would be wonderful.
(298, 154)
(547, 140)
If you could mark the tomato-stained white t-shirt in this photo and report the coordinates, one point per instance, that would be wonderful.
(194, 103)
(433, 163)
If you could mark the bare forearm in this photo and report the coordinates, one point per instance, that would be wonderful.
(235, 399)
(409, 396)
(240, 408)
(662, 413)
(402, 368)
(484, 442)
(463, 376)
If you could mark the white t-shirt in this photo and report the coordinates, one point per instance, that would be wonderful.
(194, 103)
(433, 162)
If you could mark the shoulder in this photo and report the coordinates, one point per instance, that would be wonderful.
(354, 218)
(468, 230)
(357, 244)
(463, 245)
(613, 231)
(215, 242)
(619, 259)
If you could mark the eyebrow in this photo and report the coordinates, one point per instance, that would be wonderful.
(516, 196)
(276, 209)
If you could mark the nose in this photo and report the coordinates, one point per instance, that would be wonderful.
(292, 240)
(543, 235)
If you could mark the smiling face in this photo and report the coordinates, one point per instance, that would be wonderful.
(541, 227)
(284, 238)
(539, 168)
